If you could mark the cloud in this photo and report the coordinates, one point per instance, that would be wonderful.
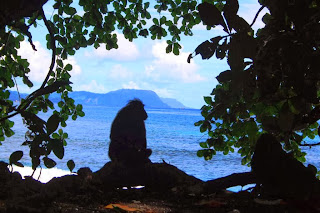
(118, 71)
(76, 69)
(93, 86)
(164, 93)
(40, 61)
(248, 12)
(130, 85)
(127, 51)
(171, 67)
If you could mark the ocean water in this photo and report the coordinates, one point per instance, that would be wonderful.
(171, 135)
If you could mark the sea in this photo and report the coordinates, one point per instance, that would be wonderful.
(171, 135)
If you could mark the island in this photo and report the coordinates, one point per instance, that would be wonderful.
(117, 98)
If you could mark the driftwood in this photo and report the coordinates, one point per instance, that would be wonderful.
(160, 180)
(155, 177)
(163, 176)
(236, 179)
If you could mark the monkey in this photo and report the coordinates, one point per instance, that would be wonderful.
(128, 144)
(279, 172)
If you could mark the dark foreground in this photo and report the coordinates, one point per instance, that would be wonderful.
(167, 189)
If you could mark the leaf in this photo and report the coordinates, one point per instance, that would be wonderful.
(169, 48)
(203, 128)
(231, 8)
(230, 11)
(57, 147)
(48, 162)
(71, 165)
(15, 157)
(239, 24)
(206, 49)
(200, 153)
(286, 118)
(224, 76)
(204, 145)
(208, 99)
(18, 164)
(189, 58)
(269, 123)
(35, 162)
(221, 50)
(53, 123)
(119, 207)
(68, 67)
(210, 15)
(198, 123)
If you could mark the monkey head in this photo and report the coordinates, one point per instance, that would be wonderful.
(137, 107)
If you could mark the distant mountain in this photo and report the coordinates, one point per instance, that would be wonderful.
(173, 103)
(119, 98)
(116, 98)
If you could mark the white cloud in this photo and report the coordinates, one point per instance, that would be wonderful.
(93, 86)
(130, 85)
(76, 69)
(127, 51)
(118, 71)
(171, 67)
(248, 12)
(40, 61)
(163, 93)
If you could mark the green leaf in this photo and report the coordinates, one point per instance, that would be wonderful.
(35, 163)
(68, 67)
(81, 113)
(204, 145)
(53, 123)
(206, 49)
(231, 8)
(210, 15)
(79, 107)
(286, 118)
(198, 123)
(71, 165)
(60, 62)
(208, 100)
(155, 21)
(18, 164)
(176, 48)
(49, 163)
(203, 128)
(169, 48)
(200, 153)
(57, 147)
(224, 76)
(15, 157)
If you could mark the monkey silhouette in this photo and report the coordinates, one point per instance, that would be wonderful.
(128, 143)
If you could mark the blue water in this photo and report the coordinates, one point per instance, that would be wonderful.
(170, 134)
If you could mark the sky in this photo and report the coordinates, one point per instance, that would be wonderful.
(141, 64)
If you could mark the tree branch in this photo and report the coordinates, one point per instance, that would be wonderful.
(308, 144)
(53, 47)
(234, 179)
(40, 91)
(255, 18)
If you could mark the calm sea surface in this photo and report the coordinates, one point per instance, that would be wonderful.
(171, 135)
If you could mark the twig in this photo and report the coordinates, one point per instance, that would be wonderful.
(14, 78)
(307, 144)
(255, 18)
(53, 47)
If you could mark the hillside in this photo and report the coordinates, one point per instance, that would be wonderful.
(119, 98)
(116, 98)
(173, 103)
